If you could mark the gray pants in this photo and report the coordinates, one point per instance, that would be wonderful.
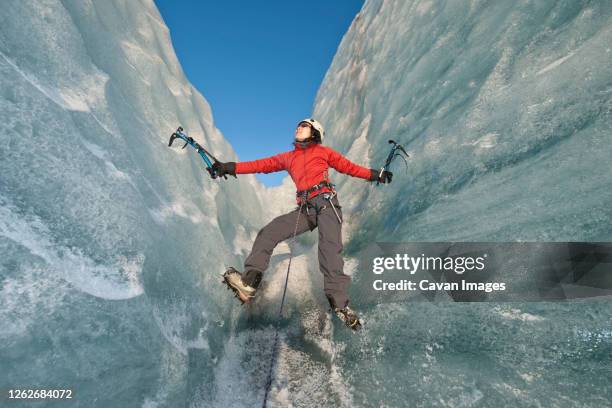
(319, 213)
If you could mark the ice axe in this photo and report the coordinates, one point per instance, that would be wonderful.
(397, 150)
(204, 154)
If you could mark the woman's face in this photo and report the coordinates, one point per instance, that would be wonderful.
(302, 132)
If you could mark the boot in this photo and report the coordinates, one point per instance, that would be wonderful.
(349, 317)
(233, 279)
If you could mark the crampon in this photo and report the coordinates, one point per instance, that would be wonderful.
(349, 317)
(233, 280)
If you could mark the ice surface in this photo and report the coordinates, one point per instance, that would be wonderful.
(111, 244)
(506, 110)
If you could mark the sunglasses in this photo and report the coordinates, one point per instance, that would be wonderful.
(304, 124)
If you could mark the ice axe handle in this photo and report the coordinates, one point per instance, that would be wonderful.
(382, 170)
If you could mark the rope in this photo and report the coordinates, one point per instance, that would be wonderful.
(280, 315)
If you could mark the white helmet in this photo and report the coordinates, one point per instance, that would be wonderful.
(316, 125)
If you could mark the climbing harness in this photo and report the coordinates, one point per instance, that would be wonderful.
(204, 154)
(302, 197)
(396, 151)
(280, 315)
(303, 194)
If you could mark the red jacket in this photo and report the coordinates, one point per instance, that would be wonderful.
(307, 166)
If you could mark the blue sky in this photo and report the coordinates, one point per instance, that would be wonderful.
(258, 63)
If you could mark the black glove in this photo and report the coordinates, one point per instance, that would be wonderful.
(220, 169)
(385, 177)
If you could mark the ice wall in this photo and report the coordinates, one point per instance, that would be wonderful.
(111, 244)
(505, 108)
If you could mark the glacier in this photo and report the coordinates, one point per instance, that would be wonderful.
(112, 244)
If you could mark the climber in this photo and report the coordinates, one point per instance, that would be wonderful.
(318, 207)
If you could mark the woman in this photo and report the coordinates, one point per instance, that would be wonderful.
(307, 165)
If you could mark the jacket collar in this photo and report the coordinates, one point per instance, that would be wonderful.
(304, 145)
